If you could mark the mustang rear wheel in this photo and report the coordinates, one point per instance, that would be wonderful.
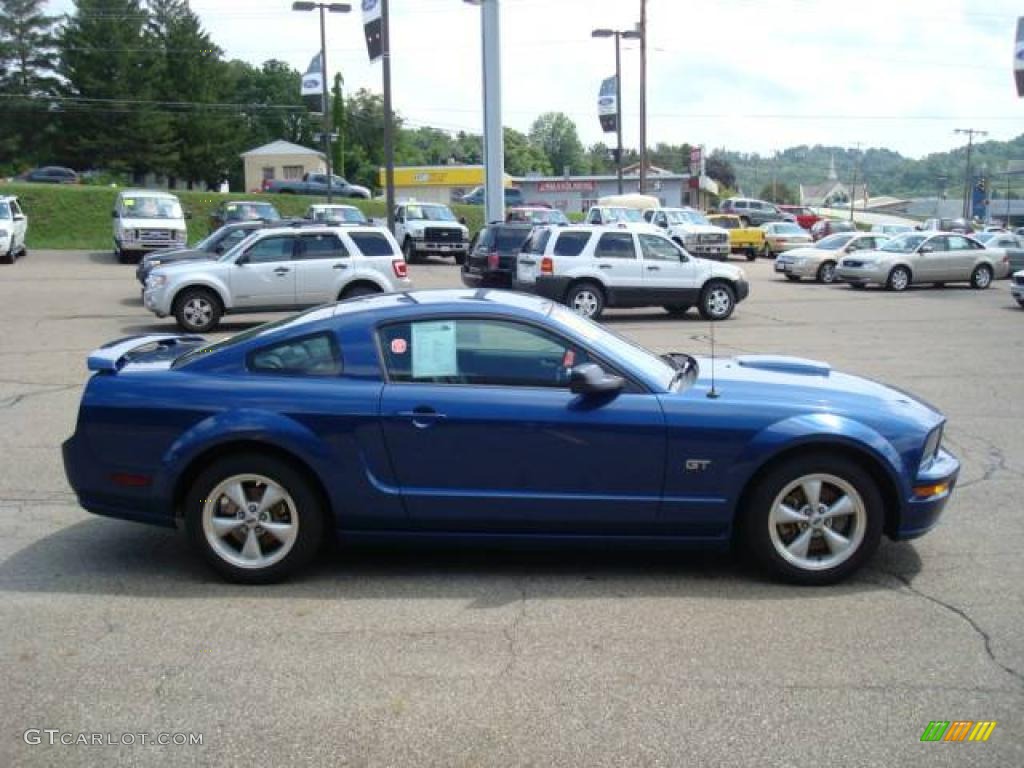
(253, 518)
(813, 520)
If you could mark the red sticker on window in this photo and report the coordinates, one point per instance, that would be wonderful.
(399, 346)
(569, 359)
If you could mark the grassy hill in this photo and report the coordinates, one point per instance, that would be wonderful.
(79, 216)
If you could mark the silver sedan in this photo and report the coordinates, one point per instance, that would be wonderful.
(925, 257)
(819, 261)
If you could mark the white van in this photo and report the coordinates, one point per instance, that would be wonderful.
(147, 220)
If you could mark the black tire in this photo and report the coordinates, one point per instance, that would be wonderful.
(793, 278)
(460, 258)
(360, 289)
(763, 537)
(409, 251)
(751, 254)
(898, 280)
(677, 310)
(717, 300)
(826, 273)
(744, 221)
(857, 286)
(586, 298)
(981, 277)
(197, 310)
(768, 252)
(120, 255)
(7, 258)
(1021, 303)
(305, 505)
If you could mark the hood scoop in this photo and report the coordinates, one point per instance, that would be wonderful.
(783, 364)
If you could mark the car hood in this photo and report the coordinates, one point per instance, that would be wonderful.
(175, 254)
(699, 229)
(187, 265)
(175, 224)
(807, 253)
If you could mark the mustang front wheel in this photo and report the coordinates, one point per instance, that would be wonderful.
(253, 518)
(814, 520)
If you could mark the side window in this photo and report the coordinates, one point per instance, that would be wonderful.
(372, 244)
(939, 244)
(957, 243)
(315, 355)
(615, 245)
(571, 243)
(270, 249)
(230, 240)
(322, 247)
(658, 249)
(478, 352)
(537, 242)
(595, 216)
(15, 208)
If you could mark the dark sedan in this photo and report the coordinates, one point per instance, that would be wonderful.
(51, 174)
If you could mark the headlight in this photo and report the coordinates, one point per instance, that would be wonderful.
(797, 262)
(156, 281)
(931, 445)
(151, 264)
(180, 237)
(690, 239)
(416, 233)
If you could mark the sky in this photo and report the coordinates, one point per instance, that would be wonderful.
(747, 75)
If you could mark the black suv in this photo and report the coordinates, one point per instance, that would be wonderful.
(492, 255)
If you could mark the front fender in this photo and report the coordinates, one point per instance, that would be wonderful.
(819, 430)
(243, 424)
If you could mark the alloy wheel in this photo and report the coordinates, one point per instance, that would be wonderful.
(585, 303)
(250, 521)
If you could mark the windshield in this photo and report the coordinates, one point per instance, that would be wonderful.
(983, 237)
(151, 208)
(834, 242)
(623, 214)
(903, 243)
(5, 211)
(246, 211)
(634, 355)
(339, 213)
(429, 213)
(788, 229)
(686, 217)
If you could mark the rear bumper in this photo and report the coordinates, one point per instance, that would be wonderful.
(487, 279)
(920, 515)
(90, 481)
(552, 287)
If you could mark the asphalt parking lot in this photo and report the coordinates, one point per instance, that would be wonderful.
(398, 657)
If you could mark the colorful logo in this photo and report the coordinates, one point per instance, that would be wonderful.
(958, 730)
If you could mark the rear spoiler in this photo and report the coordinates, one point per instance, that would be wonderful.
(111, 356)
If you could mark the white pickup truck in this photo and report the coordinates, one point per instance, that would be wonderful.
(691, 229)
(422, 228)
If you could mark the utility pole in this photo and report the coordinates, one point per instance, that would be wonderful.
(853, 188)
(643, 96)
(971, 133)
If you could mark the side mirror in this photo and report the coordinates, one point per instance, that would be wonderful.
(113, 214)
(242, 260)
(19, 217)
(188, 214)
(926, 249)
(592, 379)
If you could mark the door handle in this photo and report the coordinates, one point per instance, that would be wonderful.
(282, 271)
(604, 266)
(340, 266)
(422, 416)
(653, 268)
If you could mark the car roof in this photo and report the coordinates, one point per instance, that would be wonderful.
(8, 198)
(318, 228)
(143, 192)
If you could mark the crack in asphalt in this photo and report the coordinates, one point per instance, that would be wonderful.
(511, 633)
(962, 614)
(995, 464)
(13, 400)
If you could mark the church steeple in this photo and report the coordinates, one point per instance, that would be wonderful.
(832, 175)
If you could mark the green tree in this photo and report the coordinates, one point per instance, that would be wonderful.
(522, 157)
(554, 134)
(338, 125)
(779, 193)
(28, 58)
(111, 62)
(720, 169)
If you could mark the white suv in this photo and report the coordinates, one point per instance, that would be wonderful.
(690, 228)
(283, 268)
(13, 227)
(590, 268)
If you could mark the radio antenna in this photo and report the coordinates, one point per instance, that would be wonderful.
(713, 393)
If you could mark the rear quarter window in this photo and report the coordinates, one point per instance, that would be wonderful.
(537, 241)
(571, 243)
(372, 244)
(315, 355)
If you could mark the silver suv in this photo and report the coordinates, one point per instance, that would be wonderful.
(278, 269)
(590, 268)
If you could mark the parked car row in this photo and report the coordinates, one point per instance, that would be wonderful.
(13, 229)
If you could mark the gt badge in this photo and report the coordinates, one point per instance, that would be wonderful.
(697, 465)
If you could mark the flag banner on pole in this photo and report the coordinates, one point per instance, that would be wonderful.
(1018, 58)
(608, 105)
(313, 79)
(372, 26)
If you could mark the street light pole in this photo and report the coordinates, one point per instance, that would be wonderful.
(389, 152)
(618, 35)
(494, 140)
(325, 134)
(642, 31)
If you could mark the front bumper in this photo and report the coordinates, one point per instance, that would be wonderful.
(1017, 291)
(805, 269)
(716, 252)
(157, 300)
(920, 515)
(427, 246)
(862, 275)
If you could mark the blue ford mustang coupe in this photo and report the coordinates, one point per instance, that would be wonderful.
(489, 415)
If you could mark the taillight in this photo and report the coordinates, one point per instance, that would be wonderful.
(547, 266)
(400, 267)
(492, 260)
